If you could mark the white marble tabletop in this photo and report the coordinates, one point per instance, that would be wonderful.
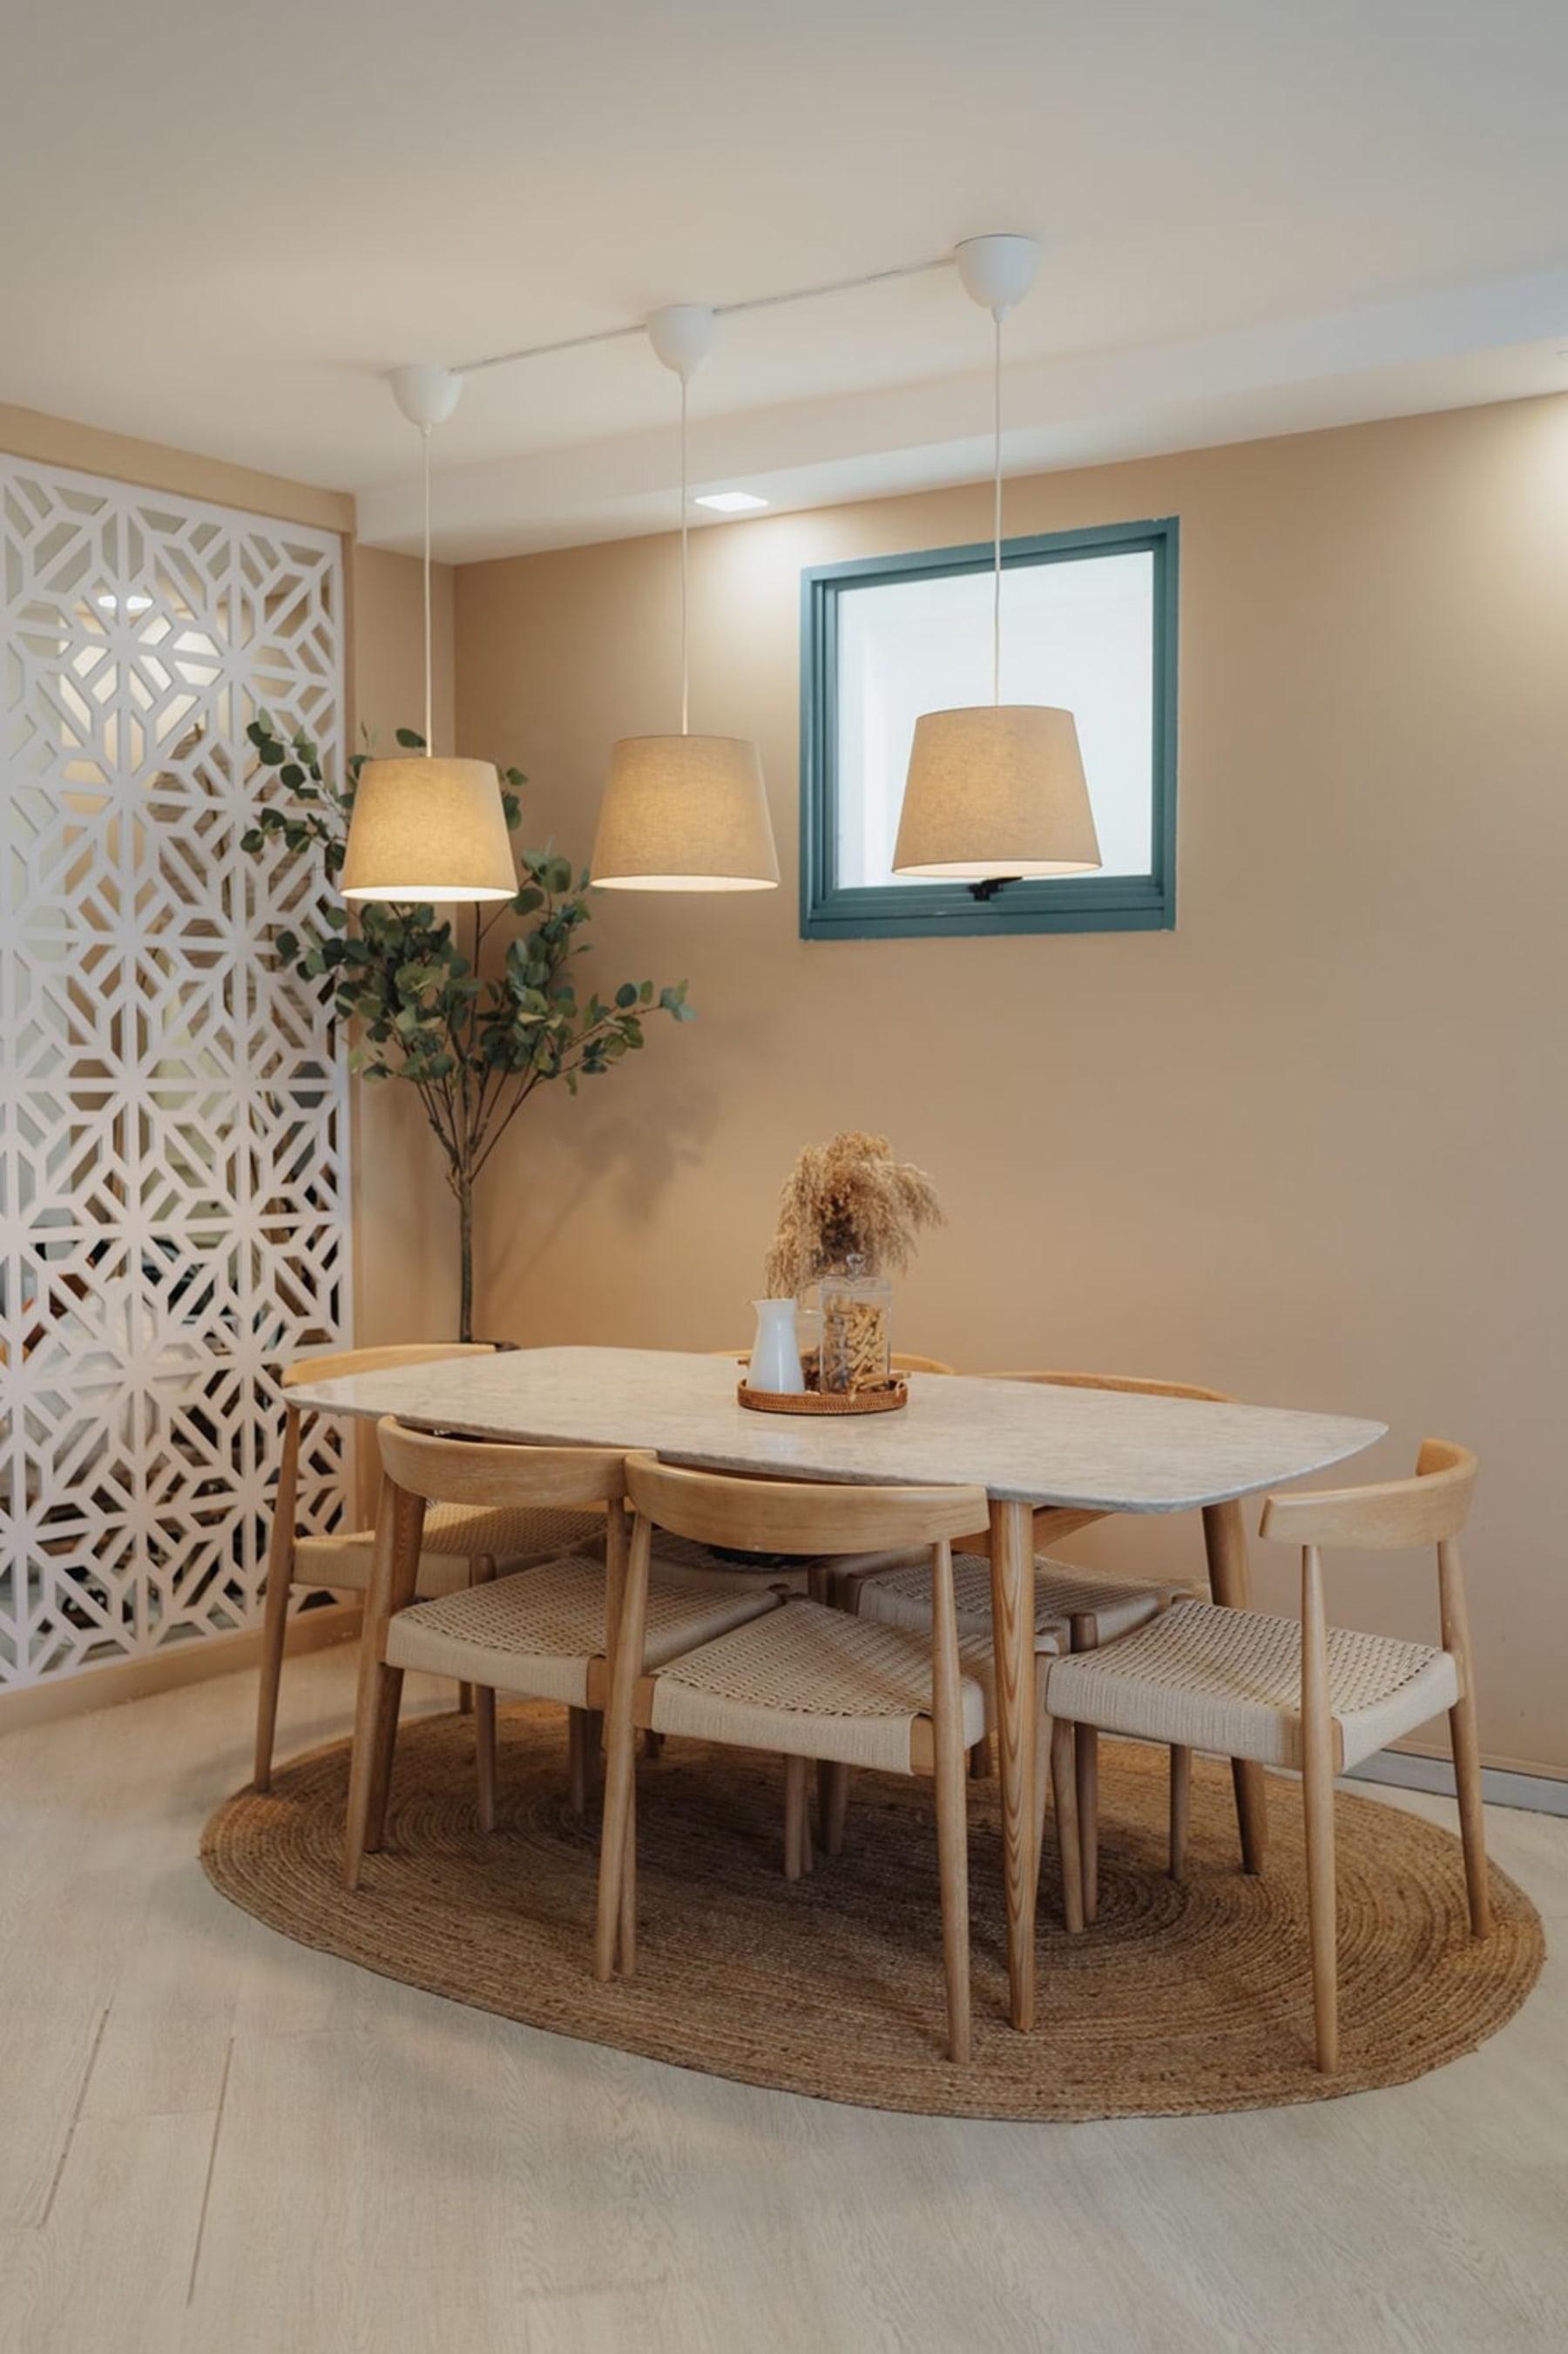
(1100, 1450)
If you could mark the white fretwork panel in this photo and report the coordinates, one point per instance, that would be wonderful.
(174, 1188)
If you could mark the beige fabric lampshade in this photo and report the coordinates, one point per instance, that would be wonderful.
(684, 813)
(998, 791)
(429, 829)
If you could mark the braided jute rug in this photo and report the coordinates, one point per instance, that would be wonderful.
(1178, 1999)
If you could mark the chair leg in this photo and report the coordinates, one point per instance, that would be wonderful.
(626, 1925)
(370, 1775)
(979, 1759)
(1472, 1823)
(652, 1744)
(1180, 1808)
(1317, 1801)
(953, 1864)
(950, 1762)
(395, 1564)
(279, 1578)
(465, 1700)
(274, 1635)
(835, 1805)
(797, 1817)
(1073, 1840)
(1318, 1743)
(1462, 1734)
(1086, 1777)
(1084, 1635)
(616, 1853)
(577, 1760)
(484, 1753)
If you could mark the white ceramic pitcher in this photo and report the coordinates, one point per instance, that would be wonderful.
(775, 1356)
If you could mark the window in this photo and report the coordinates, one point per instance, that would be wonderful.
(1089, 622)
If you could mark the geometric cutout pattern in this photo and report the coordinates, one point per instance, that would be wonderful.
(174, 1131)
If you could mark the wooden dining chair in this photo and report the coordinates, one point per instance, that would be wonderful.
(462, 1546)
(544, 1633)
(806, 1681)
(1085, 1608)
(1302, 1694)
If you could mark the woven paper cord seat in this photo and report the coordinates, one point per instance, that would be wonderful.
(456, 1536)
(901, 1596)
(540, 1631)
(1230, 1680)
(810, 1683)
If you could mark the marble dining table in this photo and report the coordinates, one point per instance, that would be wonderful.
(1050, 1458)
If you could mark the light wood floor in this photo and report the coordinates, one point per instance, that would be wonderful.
(213, 2142)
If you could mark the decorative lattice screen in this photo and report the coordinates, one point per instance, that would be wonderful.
(172, 1117)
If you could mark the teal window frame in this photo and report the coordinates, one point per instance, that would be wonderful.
(1089, 902)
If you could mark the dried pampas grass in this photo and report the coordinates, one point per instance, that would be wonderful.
(845, 1200)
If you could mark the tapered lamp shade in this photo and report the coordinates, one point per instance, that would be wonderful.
(684, 813)
(996, 790)
(429, 829)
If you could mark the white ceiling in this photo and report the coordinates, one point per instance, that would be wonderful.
(224, 225)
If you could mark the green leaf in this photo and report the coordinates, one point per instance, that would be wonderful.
(410, 740)
(626, 995)
(291, 775)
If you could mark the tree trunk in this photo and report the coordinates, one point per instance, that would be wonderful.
(463, 1185)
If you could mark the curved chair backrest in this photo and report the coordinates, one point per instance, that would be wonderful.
(496, 1474)
(343, 1363)
(791, 1516)
(1118, 1381)
(902, 1362)
(1428, 1509)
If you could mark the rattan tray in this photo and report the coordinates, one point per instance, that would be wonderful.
(884, 1399)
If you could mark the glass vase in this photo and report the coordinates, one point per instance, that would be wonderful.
(857, 1332)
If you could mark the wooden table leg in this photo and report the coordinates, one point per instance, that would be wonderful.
(1230, 1581)
(1013, 1619)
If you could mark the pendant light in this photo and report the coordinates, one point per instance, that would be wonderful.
(684, 812)
(428, 829)
(996, 792)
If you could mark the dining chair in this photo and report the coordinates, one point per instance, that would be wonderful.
(806, 1681)
(1301, 1694)
(1085, 1608)
(462, 1546)
(545, 1632)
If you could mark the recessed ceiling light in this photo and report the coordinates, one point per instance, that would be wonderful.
(730, 502)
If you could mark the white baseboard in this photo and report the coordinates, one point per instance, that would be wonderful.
(1536, 1793)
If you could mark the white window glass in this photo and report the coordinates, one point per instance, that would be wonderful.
(1077, 632)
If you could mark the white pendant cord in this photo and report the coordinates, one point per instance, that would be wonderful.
(997, 314)
(429, 738)
(685, 654)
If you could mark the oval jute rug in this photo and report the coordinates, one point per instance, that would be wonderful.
(1177, 2000)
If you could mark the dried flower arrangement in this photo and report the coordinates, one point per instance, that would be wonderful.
(848, 1204)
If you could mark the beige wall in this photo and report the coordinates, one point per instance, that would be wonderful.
(1308, 1148)
(59, 441)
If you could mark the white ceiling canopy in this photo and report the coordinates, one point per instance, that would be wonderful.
(226, 226)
